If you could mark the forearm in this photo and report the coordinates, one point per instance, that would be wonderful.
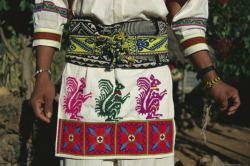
(44, 91)
(189, 20)
(48, 26)
(44, 59)
(201, 60)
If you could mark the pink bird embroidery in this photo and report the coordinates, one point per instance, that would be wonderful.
(74, 97)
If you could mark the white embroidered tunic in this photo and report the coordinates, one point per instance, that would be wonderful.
(189, 24)
(121, 113)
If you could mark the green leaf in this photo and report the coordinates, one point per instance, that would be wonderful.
(23, 5)
(223, 34)
(237, 34)
(4, 5)
(215, 19)
(246, 41)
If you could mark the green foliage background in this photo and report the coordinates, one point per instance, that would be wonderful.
(229, 23)
(16, 21)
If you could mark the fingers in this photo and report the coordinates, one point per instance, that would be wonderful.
(236, 103)
(39, 111)
(223, 104)
(48, 109)
(230, 103)
(42, 99)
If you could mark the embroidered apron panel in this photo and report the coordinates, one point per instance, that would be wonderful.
(118, 114)
(115, 139)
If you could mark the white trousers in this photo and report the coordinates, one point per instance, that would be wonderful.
(168, 161)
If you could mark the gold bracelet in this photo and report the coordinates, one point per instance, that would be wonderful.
(209, 84)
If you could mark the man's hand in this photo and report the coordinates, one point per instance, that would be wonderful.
(44, 92)
(42, 97)
(226, 96)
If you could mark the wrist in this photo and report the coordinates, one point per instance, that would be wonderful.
(209, 79)
(204, 71)
(43, 76)
(210, 84)
(42, 71)
(209, 76)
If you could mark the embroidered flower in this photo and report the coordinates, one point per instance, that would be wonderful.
(132, 138)
(72, 138)
(161, 137)
(99, 139)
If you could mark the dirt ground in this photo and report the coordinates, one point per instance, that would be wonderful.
(230, 143)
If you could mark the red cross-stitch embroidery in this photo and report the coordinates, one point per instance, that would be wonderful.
(47, 36)
(193, 41)
(93, 139)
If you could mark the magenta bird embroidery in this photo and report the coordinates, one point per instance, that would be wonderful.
(74, 97)
(149, 98)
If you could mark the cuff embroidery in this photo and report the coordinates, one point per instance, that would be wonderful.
(51, 7)
(195, 21)
(47, 36)
(192, 42)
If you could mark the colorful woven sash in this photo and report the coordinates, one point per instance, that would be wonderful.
(120, 47)
(115, 45)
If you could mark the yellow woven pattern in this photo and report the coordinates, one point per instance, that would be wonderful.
(209, 84)
(131, 45)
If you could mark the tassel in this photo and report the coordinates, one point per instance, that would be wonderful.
(206, 111)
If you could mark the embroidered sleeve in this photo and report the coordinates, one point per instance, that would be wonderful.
(49, 19)
(189, 25)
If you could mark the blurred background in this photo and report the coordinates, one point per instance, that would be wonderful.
(24, 140)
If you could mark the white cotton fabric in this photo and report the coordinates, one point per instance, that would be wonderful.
(114, 11)
(128, 78)
(192, 8)
(110, 12)
(168, 161)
